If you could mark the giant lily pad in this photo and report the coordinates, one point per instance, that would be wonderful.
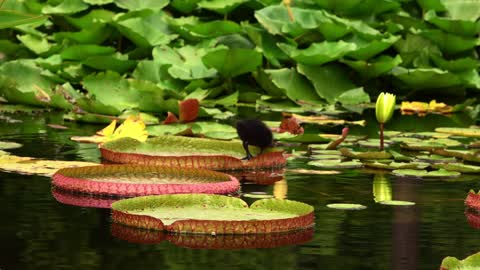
(137, 180)
(202, 241)
(189, 152)
(212, 214)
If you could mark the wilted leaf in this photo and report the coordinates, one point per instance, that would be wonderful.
(188, 110)
(422, 108)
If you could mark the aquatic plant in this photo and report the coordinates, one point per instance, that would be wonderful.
(384, 111)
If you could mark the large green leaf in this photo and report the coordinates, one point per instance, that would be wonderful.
(145, 29)
(469, 263)
(11, 18)
(185, 6)
(92, 19)
(367, 49)
(220, 6)
(193, 29)
(266, 43)
(462, 10)
(458, 64)
(450, 43)
(358, 7)
(115, 62)
(184, 63)
(66, 7)
(374, 67)
(96, 34)
(156, 72)
(141, 4)
(427, 78)
(459, 27)
(296, 87)
(37, 44)
(233, 62)
(330, 81)
(319, 53)
(80, 52)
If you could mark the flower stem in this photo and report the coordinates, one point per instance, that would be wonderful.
(381, 136)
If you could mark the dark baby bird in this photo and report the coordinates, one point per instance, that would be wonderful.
(254, 132)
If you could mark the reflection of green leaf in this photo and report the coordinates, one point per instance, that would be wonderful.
(233, 62)
(318, 53)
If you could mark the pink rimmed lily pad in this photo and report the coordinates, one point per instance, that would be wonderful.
(212, 214)
(205, 241)
(190, 153)
(137, 180)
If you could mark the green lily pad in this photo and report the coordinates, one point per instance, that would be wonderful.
(392, 165)
(436, 159)
(467, 132)
(346, 206)
(365, 155)
(336, 164)
(190, 152)
(170, 129)
(302, 138)
(422, 145)
(212, 214)
(257, 196)
(318, 53)
(231, 62)
(469, 263)
(397, 203)
(458, 167)
(327, 157)
(9, 145)
(373, 143)
(425, 174)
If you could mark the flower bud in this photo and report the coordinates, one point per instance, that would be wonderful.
(384, 107)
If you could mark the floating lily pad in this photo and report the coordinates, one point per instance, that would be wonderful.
(9, 145)
(452, 263)
(212, 214)
(336, 164)
(327, 157)
(257, 195)
(467, 132)
(436, 159)
(397, 203)
(137, 180)
(30, 166)
(259, 177)
(374, 143)
(365, 155)
(392, 165)
(458, 167)
(206, 241)
(465, 155)
(425, 174)
(346, 206)
(422, 145)
(189, 152)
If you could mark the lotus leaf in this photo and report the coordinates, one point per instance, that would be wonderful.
(327, 157)
(397, 165)
(365, 155)
(319, 53)
(458, 167)
(374, 67)
(459, 27)
(10, 18)
(65, 7)
(231, 62)
(170, 129)
(302, 138)
(346, 206)
(212, 214)
(141, 4)
(467, 132)
(373, 143)
(220, 6)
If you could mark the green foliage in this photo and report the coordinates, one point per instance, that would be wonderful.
(120, 55)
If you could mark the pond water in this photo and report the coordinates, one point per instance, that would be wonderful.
(37, 232)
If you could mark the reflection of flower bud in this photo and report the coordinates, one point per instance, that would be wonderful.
(384, 107)
(382, 189)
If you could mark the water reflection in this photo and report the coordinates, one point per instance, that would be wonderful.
(82, 199)
(205, 241)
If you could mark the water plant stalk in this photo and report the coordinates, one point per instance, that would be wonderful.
(384, 111)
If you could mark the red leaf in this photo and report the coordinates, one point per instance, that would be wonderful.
(290, 124)
(188, 110)
(171, 118)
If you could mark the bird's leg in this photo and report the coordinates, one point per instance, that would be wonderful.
(249, 155)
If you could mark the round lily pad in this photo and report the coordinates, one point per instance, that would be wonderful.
(436, 159)
(327, 157)
(206, 241)
(137, 180)
(189, 152)
(365, 155)
(257, 195)
(212, 214)
(392, 165)
(336, 164)
(374, 143)
(397, 203)
(422, 145)
(346, 206)
(467, 132)
(425, 174)
(9, 145)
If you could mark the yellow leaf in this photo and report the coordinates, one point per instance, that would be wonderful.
(108, 130)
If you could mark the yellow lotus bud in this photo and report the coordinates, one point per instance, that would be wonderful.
(384, 107)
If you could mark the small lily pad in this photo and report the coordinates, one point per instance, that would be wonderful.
(212, 214)
(374, 143)
(397, 203)
(257, 195)
(436, 159)
(425, 174)
(365, 155)
(458, 167)
(346, 206)
(326, 157)
(336, 164)
(392, 165)
(467, 132)
(423, 145)
(9, 145)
